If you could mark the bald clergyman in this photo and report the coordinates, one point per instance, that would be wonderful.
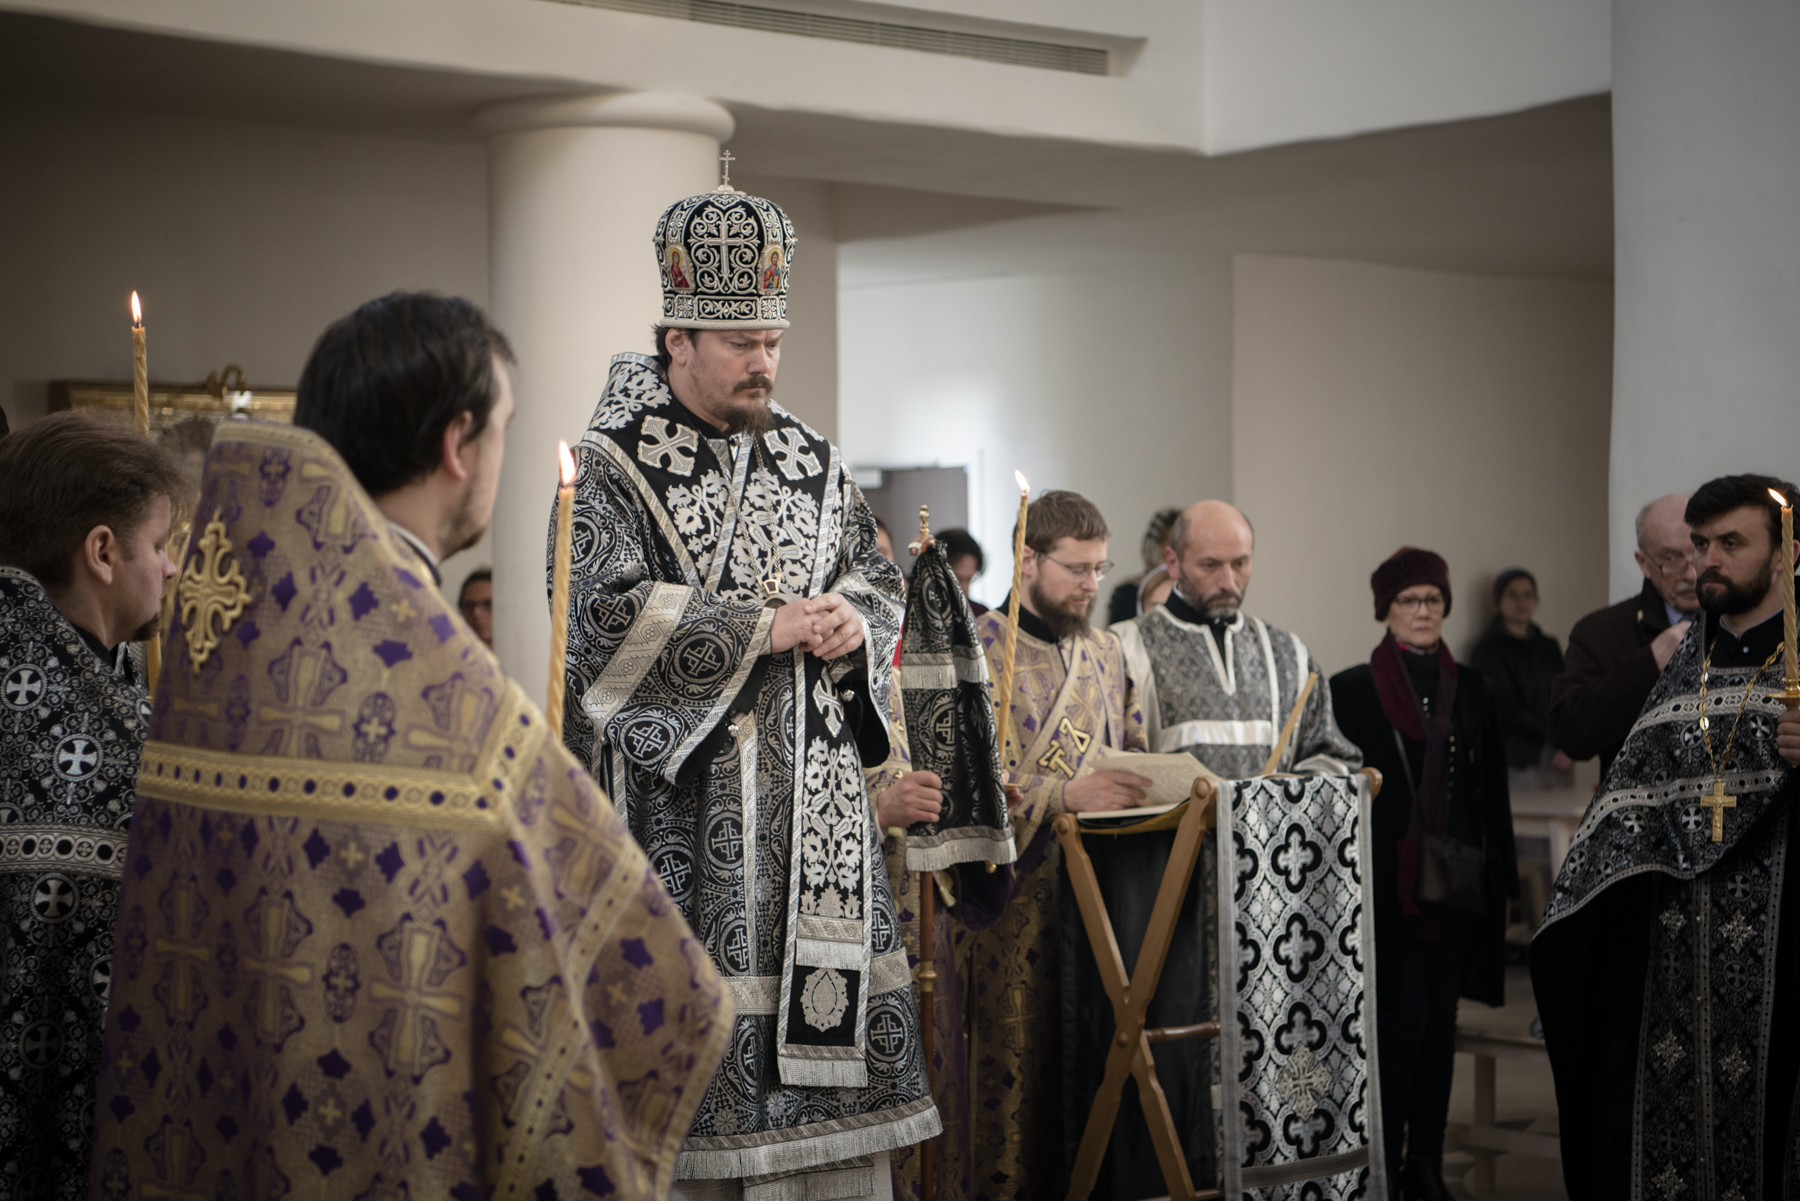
(1217, 682)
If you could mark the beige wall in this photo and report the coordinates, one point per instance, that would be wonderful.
(1374, 407)
(1112, 382)
(244, 239)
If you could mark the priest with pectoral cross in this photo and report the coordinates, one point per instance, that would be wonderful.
(1667, 970)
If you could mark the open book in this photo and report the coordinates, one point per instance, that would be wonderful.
(1171, 778)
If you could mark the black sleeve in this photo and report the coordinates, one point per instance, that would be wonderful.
(1594, 703)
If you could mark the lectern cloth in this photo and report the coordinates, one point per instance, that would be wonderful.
(1297, 989)
(739, 770)
(379, 934)
(71, 727)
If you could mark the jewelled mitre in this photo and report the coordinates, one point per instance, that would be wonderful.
(724, 257)
(378, 931)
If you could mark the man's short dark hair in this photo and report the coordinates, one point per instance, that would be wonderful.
(1057, 515)
(1715, 498)
(382, 384)
(960, 544)
(661, 334)
(474, 577)
(66, 473)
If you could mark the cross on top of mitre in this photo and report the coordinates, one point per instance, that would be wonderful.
(725, 160)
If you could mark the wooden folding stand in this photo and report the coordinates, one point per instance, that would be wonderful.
(1130, 1055)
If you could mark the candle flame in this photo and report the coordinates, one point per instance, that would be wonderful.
(137, 310)
(567, 462)
(1024, 486)
(1779, 498)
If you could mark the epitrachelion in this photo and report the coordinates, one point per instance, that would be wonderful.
(1297, 989)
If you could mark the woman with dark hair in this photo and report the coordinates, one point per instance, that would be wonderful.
(1521, 662)
(1443, 854)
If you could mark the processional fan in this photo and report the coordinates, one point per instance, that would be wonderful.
(951, 731)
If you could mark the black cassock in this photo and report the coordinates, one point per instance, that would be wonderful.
(1666, 970)
(71, 729)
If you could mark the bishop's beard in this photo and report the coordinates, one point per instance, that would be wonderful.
(749, 414)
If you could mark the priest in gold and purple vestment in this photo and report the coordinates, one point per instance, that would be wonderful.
(379, 934)
(1071, 699)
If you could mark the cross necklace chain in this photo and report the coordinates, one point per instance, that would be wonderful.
(1717, 800)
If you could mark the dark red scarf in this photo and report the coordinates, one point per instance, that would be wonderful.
(1431, 793)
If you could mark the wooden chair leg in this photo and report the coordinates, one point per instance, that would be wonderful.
(1480, 1180)
(1130, 1054)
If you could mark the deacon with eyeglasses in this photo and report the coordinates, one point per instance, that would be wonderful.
(1215, 681)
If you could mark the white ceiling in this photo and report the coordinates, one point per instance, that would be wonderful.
(1525, 193)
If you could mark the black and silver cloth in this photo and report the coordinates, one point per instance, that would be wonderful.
(1288, 936)
(949, 708)
(71, 730)
(1226, 706)
(740, 771)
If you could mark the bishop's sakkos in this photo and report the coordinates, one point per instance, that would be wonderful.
(732, 627)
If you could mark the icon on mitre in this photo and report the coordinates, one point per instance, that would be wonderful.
(681, 276)
(769, 279)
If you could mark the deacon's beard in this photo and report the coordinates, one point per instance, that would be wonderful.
(1735, 598)
(1064, 619)
(147, 631)
(751, 415)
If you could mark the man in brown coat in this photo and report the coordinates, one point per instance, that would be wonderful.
(1617, 653)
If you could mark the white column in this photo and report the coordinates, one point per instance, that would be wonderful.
(1706, 171)
(575, 188)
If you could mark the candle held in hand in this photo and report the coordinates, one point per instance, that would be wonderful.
(1791, 676)
(559, 591)
(1003, 699)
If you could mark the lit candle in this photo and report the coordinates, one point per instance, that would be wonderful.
(140, 390)
(140, 377)
(1792, 674)
(559, 591)
(1003, 701)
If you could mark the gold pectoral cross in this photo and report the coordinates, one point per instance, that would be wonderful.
(1718, 802)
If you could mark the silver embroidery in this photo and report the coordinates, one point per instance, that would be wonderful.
(824, 999)
(663, 440)
(792, 454)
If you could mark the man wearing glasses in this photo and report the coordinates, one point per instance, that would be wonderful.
(1216, 682)
(1617, 654)
(476, 603)
(1071, 700)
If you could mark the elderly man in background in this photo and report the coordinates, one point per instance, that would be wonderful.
(1617, 653)
(1216, 682)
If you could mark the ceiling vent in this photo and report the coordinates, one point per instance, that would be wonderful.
(1018, 52)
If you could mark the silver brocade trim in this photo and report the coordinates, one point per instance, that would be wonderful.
(777, 1152)
(754, 996)
(967, 844)
(638, 653)
(87, 849)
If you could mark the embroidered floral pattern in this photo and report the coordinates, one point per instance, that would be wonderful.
(831, 842)
(776, 529)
